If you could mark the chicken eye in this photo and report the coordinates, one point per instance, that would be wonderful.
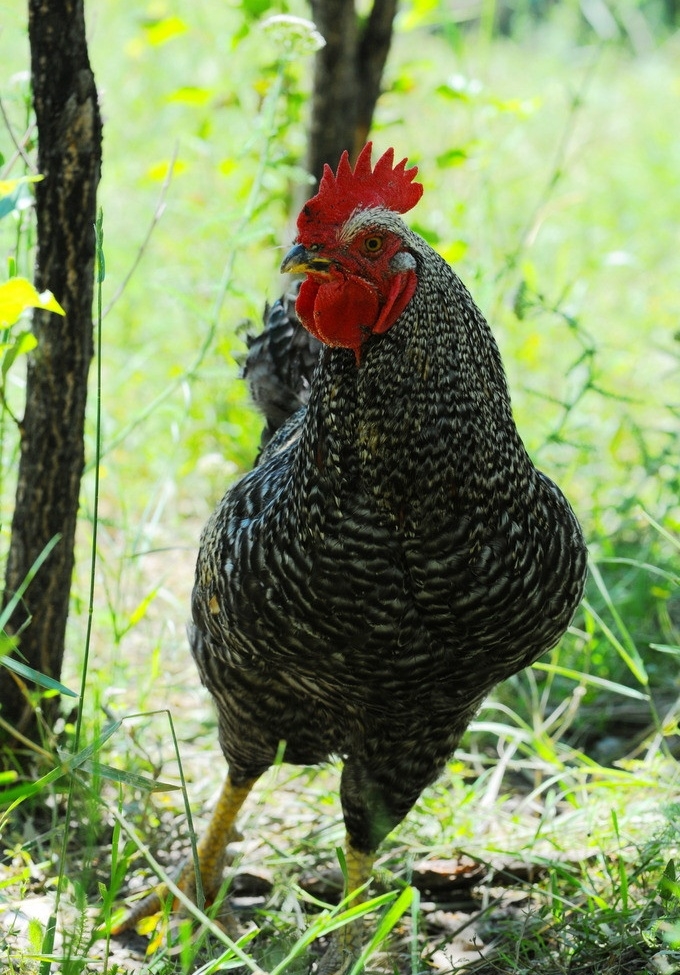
(373, 245)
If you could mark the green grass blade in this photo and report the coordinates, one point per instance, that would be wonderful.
(42, 680)
(12, 604)
(628, 653)
(127, 778)
(385, 926)
(70, 764)
(591, 679)
(328, 922)
(666, 648)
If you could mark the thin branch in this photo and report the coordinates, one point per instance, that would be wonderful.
(558, 168)
(19, 144)
(157, 214)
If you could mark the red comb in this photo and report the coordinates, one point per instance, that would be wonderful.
(341, 193)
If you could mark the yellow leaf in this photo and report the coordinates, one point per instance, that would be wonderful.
(18, 294)
(453, 252)
(524, 107)
(419, 14)
(149, 924)
(47, 301)
(530, 351)
(140, 612)
(8, 186)
(226, 166)
(261, 86)
(164, 30)
(190, 96)
(159, 171)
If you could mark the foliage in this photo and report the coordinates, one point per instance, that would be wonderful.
(551, 184)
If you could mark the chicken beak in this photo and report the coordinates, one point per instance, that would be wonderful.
(299, 260)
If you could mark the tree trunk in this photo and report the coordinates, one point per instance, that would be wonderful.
(52, 451)
(347, 77)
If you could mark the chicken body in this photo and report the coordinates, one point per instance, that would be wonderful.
(394, 556)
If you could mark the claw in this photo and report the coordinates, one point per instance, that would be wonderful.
(342, 952)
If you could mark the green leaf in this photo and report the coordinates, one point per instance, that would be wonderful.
(452, 157)
(47, 946)
(669, 889)
(13, 797)
(457, 94)
(453, 251)
(162, 170)
(419, 13)
(85, 761)
(23, 343)
(36, 934)
(255, 8)
(522, 107)
(387, 923)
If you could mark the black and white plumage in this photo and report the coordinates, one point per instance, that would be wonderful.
(394, 556)
(280, 363)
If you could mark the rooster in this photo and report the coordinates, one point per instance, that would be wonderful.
(394, 554)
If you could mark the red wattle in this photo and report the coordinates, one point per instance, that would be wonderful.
(401, 292)
(340, 311)
(304, 305)
(344, 311)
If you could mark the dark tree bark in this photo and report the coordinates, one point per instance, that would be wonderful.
(347, 78)
(52, 450)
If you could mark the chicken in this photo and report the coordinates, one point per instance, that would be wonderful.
(395, 553)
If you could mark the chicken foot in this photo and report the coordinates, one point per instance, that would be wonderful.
(211, 855)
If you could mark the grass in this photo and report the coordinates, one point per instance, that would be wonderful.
(550, 166)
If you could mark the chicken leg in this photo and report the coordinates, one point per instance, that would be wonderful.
(211, 855)
(347, 942)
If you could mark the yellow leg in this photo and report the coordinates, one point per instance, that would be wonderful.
(346, 943)
(359, 868)
(212, 845)
(211, 854)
